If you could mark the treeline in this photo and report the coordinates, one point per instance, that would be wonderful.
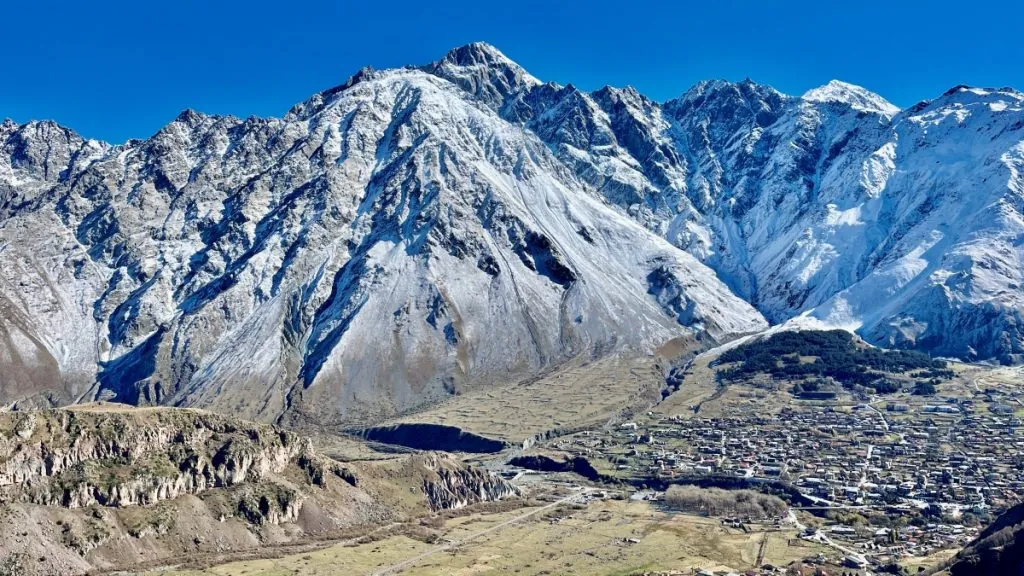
(836, 355)
(718, 502)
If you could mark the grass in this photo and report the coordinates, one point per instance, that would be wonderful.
(574, 397)
(915, 563)
(698, 386)
(589, 540)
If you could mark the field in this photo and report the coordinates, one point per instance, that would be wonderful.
(573, 397)
(603, 537)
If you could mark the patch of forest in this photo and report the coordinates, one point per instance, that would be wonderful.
(834, 354)
(718, 502)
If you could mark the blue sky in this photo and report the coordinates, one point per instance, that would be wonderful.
(116, 70)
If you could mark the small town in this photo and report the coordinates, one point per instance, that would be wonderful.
(883, 478)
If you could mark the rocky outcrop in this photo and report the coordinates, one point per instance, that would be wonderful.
(449, 484)
(115, 457)
(104, 486)
(270, 504)
(103, 456)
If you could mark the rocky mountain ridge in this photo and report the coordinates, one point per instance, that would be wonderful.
(415, 231)
(902, 225)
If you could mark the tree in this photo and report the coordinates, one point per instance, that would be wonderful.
(924, 389)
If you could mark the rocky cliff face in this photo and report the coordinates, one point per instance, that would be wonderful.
(104, 486)
(449, 484)
(86, 457)
(104, 456)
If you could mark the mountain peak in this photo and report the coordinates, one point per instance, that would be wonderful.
(745, 88)
(963, 91)
(763, 101)
(477, 53)
(190, 117)
(8, 126)
(857, 97)
(483, 71)
(316, 102)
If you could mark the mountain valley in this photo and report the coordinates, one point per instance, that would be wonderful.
(451, 318)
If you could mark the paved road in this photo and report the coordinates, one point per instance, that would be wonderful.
(409, 562)
(867, 464)
(885, 423)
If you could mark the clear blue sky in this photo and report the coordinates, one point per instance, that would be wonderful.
(116, 70)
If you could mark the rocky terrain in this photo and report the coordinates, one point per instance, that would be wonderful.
(78, 458)
(99, 486)
(395, 240)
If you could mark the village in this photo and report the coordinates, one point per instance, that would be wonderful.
(883, 477)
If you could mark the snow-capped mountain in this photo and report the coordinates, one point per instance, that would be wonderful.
(415, 231)
(902, 225)
(383, 245)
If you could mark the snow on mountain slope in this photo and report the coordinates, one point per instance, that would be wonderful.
(948, 275)
(901, 225)
(904, 228)
(854, 96)
(412, 232)
(386, 244)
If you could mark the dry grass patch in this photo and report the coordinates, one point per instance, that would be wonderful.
(574, 397)
(604, 537)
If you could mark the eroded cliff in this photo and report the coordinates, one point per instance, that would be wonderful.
(105, 486)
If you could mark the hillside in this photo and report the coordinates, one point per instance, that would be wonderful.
(102, 486)
(999, 550)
